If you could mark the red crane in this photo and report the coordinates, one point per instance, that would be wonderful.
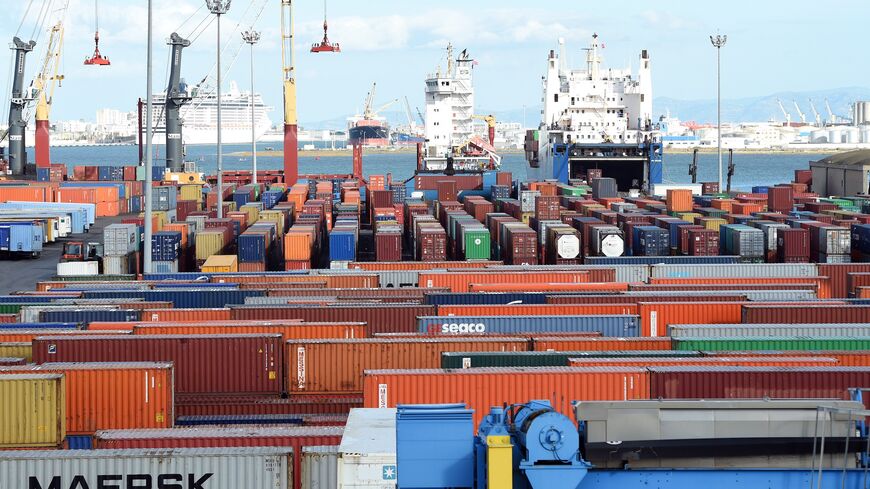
(97, 59)
(325, 46)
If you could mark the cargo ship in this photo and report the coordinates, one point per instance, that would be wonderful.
(596, 118)
(369, 129)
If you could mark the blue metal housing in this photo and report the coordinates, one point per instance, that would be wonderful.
(434, 458)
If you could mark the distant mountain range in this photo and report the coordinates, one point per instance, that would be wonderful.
(751, 109)
(760, 109)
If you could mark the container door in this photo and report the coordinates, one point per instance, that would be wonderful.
(5, 236)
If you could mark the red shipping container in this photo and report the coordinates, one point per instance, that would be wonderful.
(218, 364)
(432, 245)
(803, 176)
(838, 276)
(855, 281)
(388, 246)
(805, 314)
(463, 182)
(566, 343)
(459, 281)
(755, 382)
(185, 207)
(780, 199)
(546, 208)
(539, 310)
(187, 405)
(792, 245)
(656, 317)
(703, 242)
(504, 178)
(482, 388)
(296, 437)
(446, 190)
(684, 237)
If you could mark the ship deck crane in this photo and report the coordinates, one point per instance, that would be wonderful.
(784, 112)
(325, 46)
(368, 112)
(816, 115)
(97, 59)
(411, 123)
(832, 119)
(800, 114)
(490, 124)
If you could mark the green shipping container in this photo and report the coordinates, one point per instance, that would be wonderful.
(477, 245)
(545, 358)
(98, 278)
(787, 343)
(13, 308)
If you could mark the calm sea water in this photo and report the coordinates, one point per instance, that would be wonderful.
(751, 168)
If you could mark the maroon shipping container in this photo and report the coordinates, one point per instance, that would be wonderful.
(792, 245)
(432, 245)
(504, 178)
(593, 173)
(380, 198)
(204, 364)
(755, 382)
(380, 318)
(806, 314)
(820, 207)
(186, 405)
(296, 437)
(803, 176)
(546, 208)
(855, 280)
(702, 242)
(463, 182)
(184, 208)
(521, 247)
(710, 188)
(780, 199)
(388, 246)
(446, 189)
(634, 299)
(838, 276)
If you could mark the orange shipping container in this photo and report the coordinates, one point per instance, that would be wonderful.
(320, 280)
(562, 343)
(421, 265)
(298, 246)
(27, 335)
(746, 361)
(348, 281)
(108, 209)
(550, 287)
(461, 281)
(483, 388)
(186, 315)
(25, 194)
(77, 195)
(655, 317)
(538, 310)
(126, 326)
(289, 330)
(109, 396)
(823, 288)
(336, 366)
(679, 200)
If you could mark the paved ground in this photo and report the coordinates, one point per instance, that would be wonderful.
(23, 274)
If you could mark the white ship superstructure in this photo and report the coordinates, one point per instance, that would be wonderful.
(449, 124)
(594, 117)
(199, 117)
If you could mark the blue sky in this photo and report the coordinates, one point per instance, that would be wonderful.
(772, 46)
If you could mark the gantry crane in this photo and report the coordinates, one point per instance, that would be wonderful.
(47, 79)
(800, 114)
(784, 112)
(816, 115)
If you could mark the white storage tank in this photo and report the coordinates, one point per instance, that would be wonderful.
(819, 136)
(865, 134)
(835, 136)
(853, 135)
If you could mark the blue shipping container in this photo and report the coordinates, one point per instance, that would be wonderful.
(342, 246)
(80, 442)
(459, 298)
(271, 197)
(39, 325)
(252, 248)
(165, 246)
(134, 205)
(21, 237)
(613, 326)
(650, 241)
(43, 174)
(654, 260)
(91, 315)
(196, 299)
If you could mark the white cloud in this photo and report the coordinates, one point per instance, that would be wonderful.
(667, 20)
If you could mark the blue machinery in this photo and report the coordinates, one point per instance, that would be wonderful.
(531, 446)
(625, 162)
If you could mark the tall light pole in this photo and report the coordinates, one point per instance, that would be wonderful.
(219, 7)
(149, 154)
(252, 37)
(719, 41)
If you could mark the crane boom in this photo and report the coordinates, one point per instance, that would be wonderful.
(816, 115)
(800, 114)
(19, 101)
(367, 108)
(408, 114)
(784, 112)
(46, 80)
(176, 97)
(832, 119)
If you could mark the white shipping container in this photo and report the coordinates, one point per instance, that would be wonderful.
(208, 468)
(527, 200)
(116, 265)
(857, 330)
(734, 270)
(367, 454)
(835, 241)
(120, 239)
(661, 189)
(319, 468)
(78, 269)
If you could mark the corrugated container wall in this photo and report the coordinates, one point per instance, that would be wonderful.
(33, 410)
(319, 468)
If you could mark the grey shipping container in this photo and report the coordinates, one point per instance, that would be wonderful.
(547, 358)
(603, 188)
(120, 239)
(630, 273)
(733, 330)
(616, 326)
(759, 270)
(117, 264)
(319, 468)
(212, 468)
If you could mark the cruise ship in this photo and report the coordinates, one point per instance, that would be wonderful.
(596, 118)
(199, 117)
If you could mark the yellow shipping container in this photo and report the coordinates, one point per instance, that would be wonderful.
(253, 211)
(159, 218)
(221, 264)
(689, 216)
(714, 223)
(277, 217)
(34, 411)
(16, 350)
(209, 243)
(191, 192)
